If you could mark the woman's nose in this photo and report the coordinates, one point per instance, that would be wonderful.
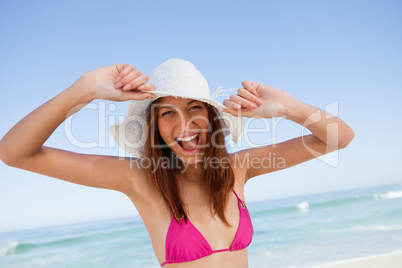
(185, 122)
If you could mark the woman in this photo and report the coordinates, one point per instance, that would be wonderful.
(187, 188)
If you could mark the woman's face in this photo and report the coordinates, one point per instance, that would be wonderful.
(183, 125)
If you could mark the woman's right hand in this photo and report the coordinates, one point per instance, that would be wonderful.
(119, 82)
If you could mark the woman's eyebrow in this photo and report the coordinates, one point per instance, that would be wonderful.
(190, 102)
(166, 107)
(172, 107)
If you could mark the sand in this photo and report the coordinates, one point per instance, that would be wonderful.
(392, 260)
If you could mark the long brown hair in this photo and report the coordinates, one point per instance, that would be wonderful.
(219, 181)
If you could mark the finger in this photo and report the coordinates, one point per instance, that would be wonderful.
(239, 112)
(129, 77)
(244, 103)
(231, 104)
(230, 111)
(251, 86)
(244, 93)
(133, 84)
(133, 95)
(127, 68)
(234, 112)
(147, 87)
(120, 67)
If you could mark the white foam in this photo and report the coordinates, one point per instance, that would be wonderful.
(389, 195)
(394, 227)
(9, 249)
(267, 253)
(303, 206)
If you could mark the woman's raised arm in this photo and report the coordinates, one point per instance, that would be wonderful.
(329, 133)
(22, 146)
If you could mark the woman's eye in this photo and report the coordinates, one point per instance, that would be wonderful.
(167, 113)
(171, 112)
(198, 107)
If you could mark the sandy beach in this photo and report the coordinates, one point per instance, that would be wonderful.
(392, 260)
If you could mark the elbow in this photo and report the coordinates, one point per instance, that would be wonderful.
(5, 155)
(12, 156)
(6, 160)
(347, 139)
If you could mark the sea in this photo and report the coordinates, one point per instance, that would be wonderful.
(291, 232)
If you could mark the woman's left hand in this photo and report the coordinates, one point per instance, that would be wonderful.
(256, 100)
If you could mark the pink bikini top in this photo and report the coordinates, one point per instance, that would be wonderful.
(185, 243)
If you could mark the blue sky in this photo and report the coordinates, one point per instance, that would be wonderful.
(342, 54)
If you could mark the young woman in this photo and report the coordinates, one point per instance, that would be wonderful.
(187, 188)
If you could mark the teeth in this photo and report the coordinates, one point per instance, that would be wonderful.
(187, 138)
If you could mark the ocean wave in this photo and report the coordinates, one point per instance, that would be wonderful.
(16, 247)
(389, 195)
(9, 249)
(267, 253)
(362, 228)
(305, 205)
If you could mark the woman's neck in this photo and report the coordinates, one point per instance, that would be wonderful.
(192, 174)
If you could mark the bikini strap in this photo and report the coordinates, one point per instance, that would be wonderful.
(236, 194)
(243, 205)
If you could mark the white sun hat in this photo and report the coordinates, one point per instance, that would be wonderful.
(177, 78)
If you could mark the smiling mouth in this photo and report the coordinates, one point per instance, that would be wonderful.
(189, 145)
